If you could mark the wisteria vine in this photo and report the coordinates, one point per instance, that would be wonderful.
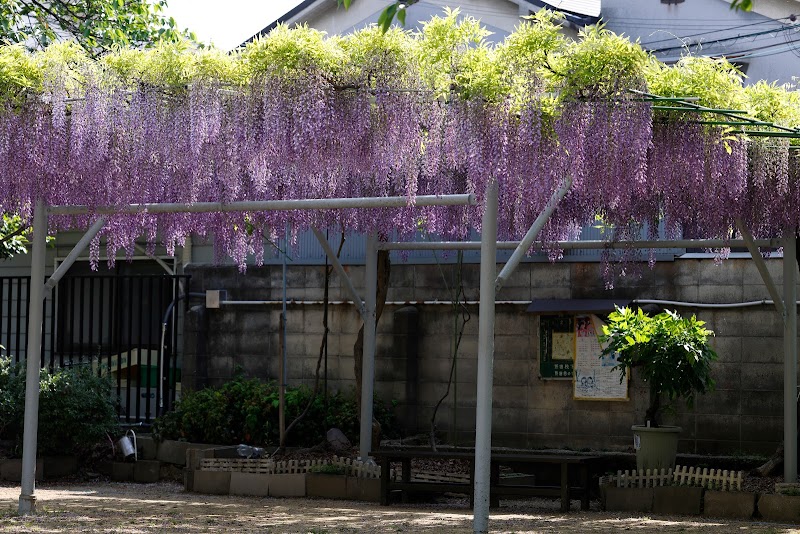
(371, 125)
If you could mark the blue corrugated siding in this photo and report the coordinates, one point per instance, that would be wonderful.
(308, 251)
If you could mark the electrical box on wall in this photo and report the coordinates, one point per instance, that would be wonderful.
(214, 297)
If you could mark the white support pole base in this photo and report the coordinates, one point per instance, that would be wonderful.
(27, 504)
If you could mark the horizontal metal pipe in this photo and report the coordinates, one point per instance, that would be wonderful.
(747, 304)
(585, 245)
(271, 205)
(343, 302)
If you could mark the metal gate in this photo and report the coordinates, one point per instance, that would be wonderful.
(125, 327)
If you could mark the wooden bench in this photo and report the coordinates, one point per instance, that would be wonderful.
(568, 464)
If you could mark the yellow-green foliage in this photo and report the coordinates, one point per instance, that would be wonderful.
(600, 64)
(64, 65)
(449, 56)
(292, 52)
(19, 73)
(173, 66)
(716, 82)
(773, 103)
(443, 44)
(526, 56)
(378, 58)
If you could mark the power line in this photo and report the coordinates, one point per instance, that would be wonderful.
(724, 39)
(731, 28)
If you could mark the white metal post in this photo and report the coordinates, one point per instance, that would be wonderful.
(348, 284)
(483, 409)
(790, 357)
(368, 356)
(532, 233)
(27, 499)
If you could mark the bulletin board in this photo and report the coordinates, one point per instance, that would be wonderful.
(556, 347)
(594, 375)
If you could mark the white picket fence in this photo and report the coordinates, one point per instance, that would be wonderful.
(270, 467)
(719, 479)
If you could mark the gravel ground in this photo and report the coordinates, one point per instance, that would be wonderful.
(165, 507)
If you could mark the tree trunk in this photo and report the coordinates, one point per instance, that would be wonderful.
(384, 269)
(769, 467)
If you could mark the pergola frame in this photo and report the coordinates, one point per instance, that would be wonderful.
(27, 498)
(490, 282)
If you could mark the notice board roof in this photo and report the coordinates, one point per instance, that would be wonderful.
(575, 305)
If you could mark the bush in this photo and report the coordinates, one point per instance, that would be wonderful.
(246, 411)
(75, 408)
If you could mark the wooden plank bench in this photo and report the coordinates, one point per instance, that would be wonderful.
(568, 464)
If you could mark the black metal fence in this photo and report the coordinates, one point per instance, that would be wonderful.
(122, 326)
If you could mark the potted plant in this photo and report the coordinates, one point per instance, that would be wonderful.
(673, 356)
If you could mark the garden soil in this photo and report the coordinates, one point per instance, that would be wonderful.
(165, 507)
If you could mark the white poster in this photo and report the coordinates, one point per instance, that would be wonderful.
(595, 378)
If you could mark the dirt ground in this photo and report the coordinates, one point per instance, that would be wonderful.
(165, 507)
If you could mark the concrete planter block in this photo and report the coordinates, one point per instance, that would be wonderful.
(326, 486)
(255, 484)
(627, 499)
(777, 507)
(364, 489)
(193, 457)
(146, 471)
(121, 471)
(290, 485)
(60, 466)
(148, 449)
(682, 500)
(11, 470)
(212, 482)
(729, 504)
(174, 452)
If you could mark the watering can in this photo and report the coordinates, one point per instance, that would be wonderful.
(127, 446)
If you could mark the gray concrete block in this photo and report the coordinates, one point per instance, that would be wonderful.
(762, 349)
(767, 428)
(326, 486)
(729, 504)
(146, 471)
(777, 507)
(121, 472)
(11, 470)
(364, 489)
(290, 485)
(627, 499)
(255, 484)
(548, 275)
(212, 482)
(60, 466)
(148, 448)
(681, 500)
(174, 452)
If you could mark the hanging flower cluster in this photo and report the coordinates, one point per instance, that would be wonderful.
(298, 116)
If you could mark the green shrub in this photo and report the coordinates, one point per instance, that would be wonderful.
(75, 408)
(246, 411)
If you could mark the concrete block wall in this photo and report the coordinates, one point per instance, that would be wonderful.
(744, 414)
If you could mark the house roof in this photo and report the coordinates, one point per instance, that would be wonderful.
(580, 12)
(288, 16)
(589, 8)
